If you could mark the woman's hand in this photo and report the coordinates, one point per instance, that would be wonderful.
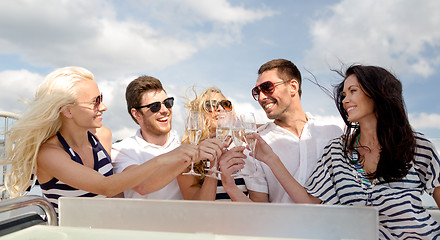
(230, 162)
(263, 152)
(210, 149)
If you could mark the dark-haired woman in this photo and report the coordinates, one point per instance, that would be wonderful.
(379, 161)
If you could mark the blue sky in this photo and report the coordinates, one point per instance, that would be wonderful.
(220, 43)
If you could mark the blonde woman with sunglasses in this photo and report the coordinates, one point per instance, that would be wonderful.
(52, 139)
(209, 103)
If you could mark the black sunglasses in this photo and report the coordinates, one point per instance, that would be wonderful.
(266, 87)
(211, 105)
(156, 106)
(96, 102)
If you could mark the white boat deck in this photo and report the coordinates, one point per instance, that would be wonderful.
(221, 218)
(107, 218)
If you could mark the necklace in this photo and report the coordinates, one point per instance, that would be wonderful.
(357, 164)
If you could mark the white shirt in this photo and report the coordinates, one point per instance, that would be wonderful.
(299, 155)
(135, 151)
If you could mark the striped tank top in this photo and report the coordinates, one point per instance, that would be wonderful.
(222, 195)
(55, 189)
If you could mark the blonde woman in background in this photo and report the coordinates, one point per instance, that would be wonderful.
(210, 103)
(52, 140)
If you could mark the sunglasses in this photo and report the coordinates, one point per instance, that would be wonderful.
(96, 103)
(267, 88)
(212, 105)
(156, 106)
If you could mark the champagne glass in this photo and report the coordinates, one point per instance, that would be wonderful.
(250, 126)
(238, 132)
(238, 136)
(194, 127)
(223, 133)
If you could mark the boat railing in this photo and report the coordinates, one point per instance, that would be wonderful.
(25, 201)
(22, 213)
(7, 118)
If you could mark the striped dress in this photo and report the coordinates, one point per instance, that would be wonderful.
(401, 214)
(55, 189)
(222, 195)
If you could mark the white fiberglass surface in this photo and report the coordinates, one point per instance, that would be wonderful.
(243, 219)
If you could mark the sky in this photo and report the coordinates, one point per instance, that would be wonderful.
(220, 43)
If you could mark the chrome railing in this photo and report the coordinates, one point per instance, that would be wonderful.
(20, 202)
(8, 118)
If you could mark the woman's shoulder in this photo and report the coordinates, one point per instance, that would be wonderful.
(103, 133)
(336, 142)
(104, 136)
(52, 148)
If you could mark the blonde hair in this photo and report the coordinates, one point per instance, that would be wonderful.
(197, 104)
(38, 123)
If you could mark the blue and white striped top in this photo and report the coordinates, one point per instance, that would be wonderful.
(55, 189)
(222, 195)
(401, 214)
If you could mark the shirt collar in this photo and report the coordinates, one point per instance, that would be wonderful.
(172, 139)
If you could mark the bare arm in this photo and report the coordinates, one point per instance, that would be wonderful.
(53, 161)
(295, 190)
(191, 189)
(436, 196)
(161, 177)
(230, 163)
(258, 196)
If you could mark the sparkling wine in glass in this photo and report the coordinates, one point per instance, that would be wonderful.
(223, 133)
(194, 135)
(250, 126)
(238, 134)
(194, 127)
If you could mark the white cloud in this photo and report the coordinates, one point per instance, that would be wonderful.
(21, 86)
(424, 120)
(123, 132)
(395, 34)
(242, 107)
(93, 34)
(222, 11)
(336, 120)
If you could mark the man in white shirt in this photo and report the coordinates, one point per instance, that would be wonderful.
(151, 108)
(295, 136)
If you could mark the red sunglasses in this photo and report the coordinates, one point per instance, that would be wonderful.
(96, 102)
(267, 88)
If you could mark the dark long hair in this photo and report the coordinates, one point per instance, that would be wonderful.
(394, 132)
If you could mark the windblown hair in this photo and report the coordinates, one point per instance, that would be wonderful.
(286, 70)
(41, 121)
(136, 89)
(395, 135)
(197, 104)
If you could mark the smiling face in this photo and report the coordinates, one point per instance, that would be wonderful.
(158, 123)
(84, 112)
(357, 104)
(213, 114)
(275, 105)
